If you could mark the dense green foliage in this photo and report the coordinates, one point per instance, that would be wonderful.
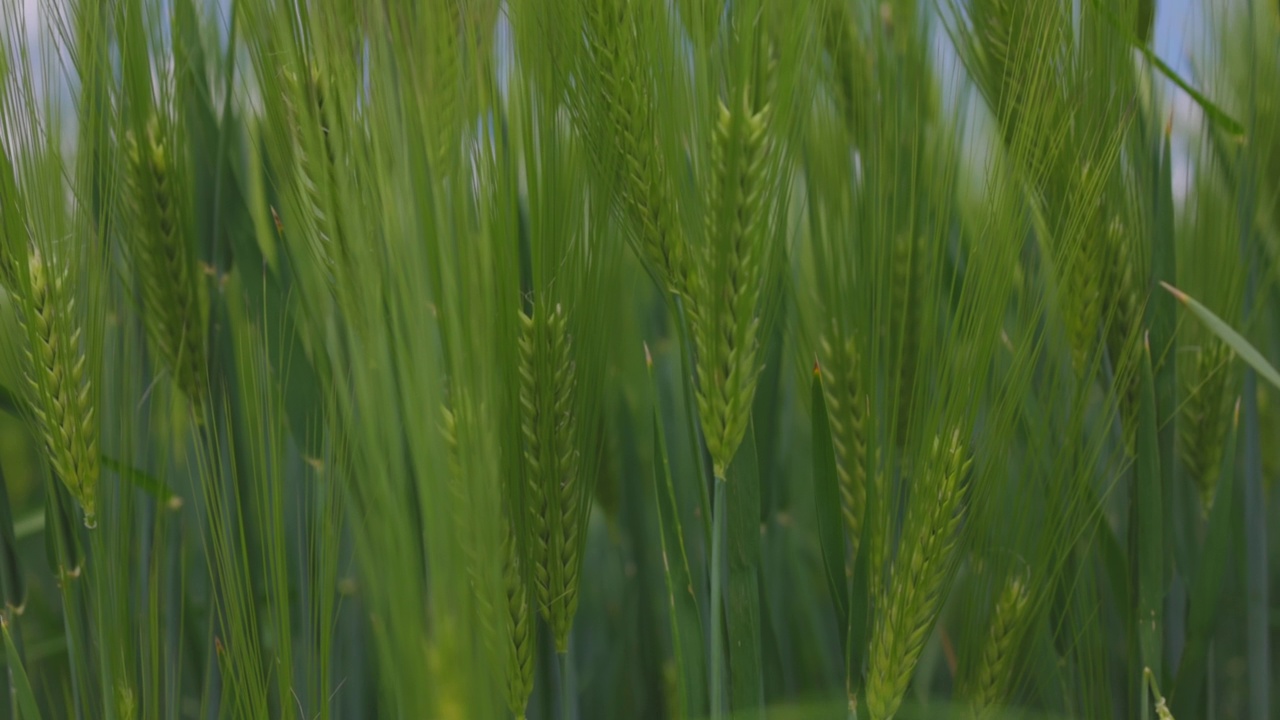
(626, 359)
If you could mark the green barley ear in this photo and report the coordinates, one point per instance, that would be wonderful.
(847, 408)
(727, 288)
(159, 250)
(519, 626)
(1124, 324)
(553, 487)
(624, 139)
(314, 175)
(61, 393)
(1205, 416)
(990, 685)
(919, 578)
(1120, 286)
(1082, 300)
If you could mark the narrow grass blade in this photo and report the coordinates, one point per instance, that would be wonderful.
(1148, 511)
(1242, 347)
(21, 685)
(686, 619)
(1163, 313)
(151, 485)
(1163, 325)
(826, 494)
(742, 595)
(1226, 518)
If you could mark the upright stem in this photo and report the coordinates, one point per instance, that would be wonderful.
(717, 602)
(568, 696)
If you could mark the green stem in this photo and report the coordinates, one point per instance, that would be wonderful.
(567, 695)
(717, 602)
(13, 687)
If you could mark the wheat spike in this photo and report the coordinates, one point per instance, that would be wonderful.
(1206, 413)
(727, 289)
(315, 177)
(62, 392)
(550, 433)
(519, 626)
(990, 685)
(645, 191)
(164, 265)
(848, 408)
(919, 577)
(1082, 303)
(1120, 291)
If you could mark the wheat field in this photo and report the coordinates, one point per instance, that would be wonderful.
(639, 359)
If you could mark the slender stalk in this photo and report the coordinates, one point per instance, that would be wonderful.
(717, 602)
(7, 614)
(568, 691)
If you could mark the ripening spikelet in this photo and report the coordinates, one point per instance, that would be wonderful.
(314, 176)
(990, 685)
(520, 637)
(848, 408)
(1205, 415)
(1122, 301)
(1120, 293)
(445, 82)
(919, 578)
(727, 288)
(553, 489)
(645, 190)
(162, 261)
(1082, 303)
(62, 395)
